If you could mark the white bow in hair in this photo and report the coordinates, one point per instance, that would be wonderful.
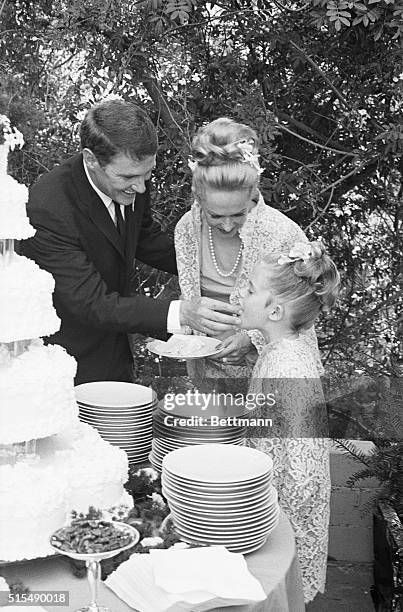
(246, 147)
(300, 251)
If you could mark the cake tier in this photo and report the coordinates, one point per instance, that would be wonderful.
(75, 470)
(14, 222)
(94, 469)
(33, 504)
(26, 307)
(36, 392)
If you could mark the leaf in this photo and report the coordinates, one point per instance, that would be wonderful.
(337, 25)
(345, 21)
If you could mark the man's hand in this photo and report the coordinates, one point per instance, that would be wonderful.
(209, 316)
(234, 349)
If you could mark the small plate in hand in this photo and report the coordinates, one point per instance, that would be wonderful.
(181, 346)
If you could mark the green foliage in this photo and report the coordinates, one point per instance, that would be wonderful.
(319, 81)
(385, 463)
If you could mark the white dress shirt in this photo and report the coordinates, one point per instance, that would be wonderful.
(173, 318)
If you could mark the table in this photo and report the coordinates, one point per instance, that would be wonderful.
(275, 565)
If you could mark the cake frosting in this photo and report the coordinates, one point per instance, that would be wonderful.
(33, 505)
(36, 391)
(68, 466)
(14, 223)
(26, 307)
(94, 470)
(13, 218)
(73, 470)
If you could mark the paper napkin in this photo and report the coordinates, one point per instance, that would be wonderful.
(191, 580)
(213, 569)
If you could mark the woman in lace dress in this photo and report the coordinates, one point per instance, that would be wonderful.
(227, 231)
(284, 297)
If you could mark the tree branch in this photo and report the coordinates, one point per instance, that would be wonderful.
(356, 179)
(315, 144)
(322, 212)
(343, 178)
(305, 128)
(322, 74)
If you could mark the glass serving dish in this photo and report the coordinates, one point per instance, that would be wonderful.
(92, 561)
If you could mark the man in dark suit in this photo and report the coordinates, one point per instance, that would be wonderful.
(92, 216)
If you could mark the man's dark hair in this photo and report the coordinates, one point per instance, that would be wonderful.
(116, 126)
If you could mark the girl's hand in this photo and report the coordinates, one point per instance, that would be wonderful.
(233, 349)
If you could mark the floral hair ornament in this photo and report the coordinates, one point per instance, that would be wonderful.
(300, 251)
(192, 163)
(246, 148)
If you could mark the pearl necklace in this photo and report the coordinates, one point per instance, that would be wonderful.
(213, 256)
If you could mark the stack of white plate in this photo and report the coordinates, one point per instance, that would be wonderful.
(122, 414)
(176, 425)
(221, 494)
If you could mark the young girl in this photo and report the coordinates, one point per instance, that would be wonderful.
(284, 298)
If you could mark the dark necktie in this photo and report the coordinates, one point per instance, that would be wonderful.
(120, 222)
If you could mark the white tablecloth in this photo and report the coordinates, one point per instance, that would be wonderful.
(275, 565)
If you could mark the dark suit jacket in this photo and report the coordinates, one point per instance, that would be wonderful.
(78, 243)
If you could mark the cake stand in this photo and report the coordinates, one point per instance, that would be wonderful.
(92, 562)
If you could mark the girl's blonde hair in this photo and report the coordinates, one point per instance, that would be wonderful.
(306, 286)
(220, 161)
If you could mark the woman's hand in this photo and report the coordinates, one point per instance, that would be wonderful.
(233, 349)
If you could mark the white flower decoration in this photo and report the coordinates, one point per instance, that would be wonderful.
(158, 500)
(150, 472)
(246, 147)
(153, 541)
(300, 251)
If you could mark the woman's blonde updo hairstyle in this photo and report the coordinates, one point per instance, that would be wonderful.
(220, 162)
(307, 287)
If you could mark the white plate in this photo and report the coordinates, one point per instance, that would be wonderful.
(224, 541)
(218, 463)
(135, 425)
(108, 393)
(171, 433)
(249, 523)
(180, 346)
(222, 532)
(208, 487)
(196, 493)
(266, 511)
(226, 538)
(137, 448)
(263, 507)
(118, 411)
(128, 434)
(219, 502)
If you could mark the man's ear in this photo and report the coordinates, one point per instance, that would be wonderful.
(90, 158)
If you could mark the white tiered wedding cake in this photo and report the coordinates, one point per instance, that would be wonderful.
(50, 462)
